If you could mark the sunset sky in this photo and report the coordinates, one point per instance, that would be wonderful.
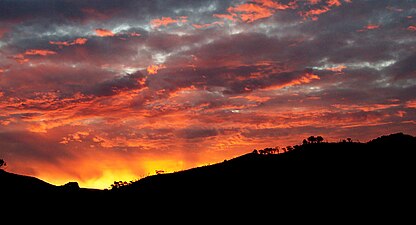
(98, 91)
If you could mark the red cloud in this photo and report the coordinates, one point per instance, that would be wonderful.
(103, 32)
(411, 28)
(164, 21)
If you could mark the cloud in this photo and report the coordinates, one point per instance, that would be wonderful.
(3, 31)
(411, 104)
(41, 52)
(165, 21)
(369, 27)
(192, 133)
(334, 3)
(250, 12)
(411, 28)
(21, 58)
(153, 69)
(201, 26)
(78, 41)
(104, 32)
(170, 77)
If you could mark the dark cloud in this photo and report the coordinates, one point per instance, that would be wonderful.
(403, 69)
(123, 83)
(191, 133)
(23, 146)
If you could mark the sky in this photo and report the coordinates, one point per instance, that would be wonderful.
(102, 91)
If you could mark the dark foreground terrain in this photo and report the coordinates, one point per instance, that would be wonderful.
(382, 170)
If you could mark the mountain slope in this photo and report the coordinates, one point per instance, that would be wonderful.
(312, 169)
(10, 182)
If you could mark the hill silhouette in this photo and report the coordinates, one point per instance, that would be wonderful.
(386, 163)
(379, 169)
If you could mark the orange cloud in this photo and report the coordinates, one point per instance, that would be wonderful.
(305, 79)
(78, 41)
(164, 21)
(77, 137)
(372, 26)
(258, 9)
(20, 58)
(333, 3)
(251, 12)
(411, 28)
(313, 13)
(103, 32)
(153, 69)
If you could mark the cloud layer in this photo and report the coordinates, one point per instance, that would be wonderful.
(137, 86)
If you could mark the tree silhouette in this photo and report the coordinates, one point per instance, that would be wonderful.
(304, 142)
(2, 163)
(312, 139)
(349, 140)
(319, 139)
